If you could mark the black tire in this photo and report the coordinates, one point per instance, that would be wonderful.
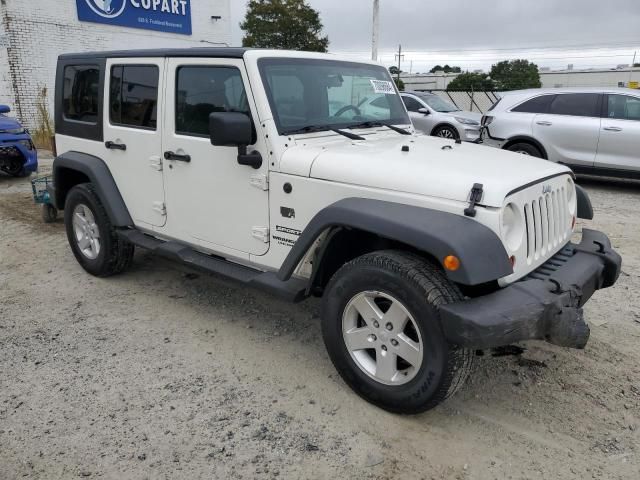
(49, 213)
(525, 148)
(115, 254)
(420, 286)
(446, 131)
(16, 169)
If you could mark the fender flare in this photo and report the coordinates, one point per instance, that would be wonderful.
(584, 209)
(99, 175)
(527, 139)
(482, 255)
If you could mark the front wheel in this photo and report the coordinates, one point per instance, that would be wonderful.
(380, 324)
(446, 132)
(525, 149)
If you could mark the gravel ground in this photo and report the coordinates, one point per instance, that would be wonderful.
(167, 373)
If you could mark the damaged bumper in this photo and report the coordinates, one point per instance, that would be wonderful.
(545, 305)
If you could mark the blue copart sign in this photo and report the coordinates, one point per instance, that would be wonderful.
(173, 16)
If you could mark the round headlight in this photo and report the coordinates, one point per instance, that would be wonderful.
(512, 227)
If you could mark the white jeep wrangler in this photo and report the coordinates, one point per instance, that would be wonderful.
(301, 174)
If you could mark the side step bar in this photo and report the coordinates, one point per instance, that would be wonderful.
(293, 290)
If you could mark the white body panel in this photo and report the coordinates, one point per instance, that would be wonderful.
(217, 206)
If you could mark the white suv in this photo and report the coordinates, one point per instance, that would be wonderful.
(592, 130)
(237, 162)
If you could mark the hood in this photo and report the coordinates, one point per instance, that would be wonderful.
(8, 123)
(463, 114)
(426, 169)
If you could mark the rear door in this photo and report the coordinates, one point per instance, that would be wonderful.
(619, 145)
(133, 136)
(570, 131)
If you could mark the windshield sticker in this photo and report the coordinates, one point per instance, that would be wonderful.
(383, 86)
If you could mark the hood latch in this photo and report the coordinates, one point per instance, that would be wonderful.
(474, 198)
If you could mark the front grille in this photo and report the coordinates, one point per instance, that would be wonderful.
(552, 265)
(547, 223)
(9, 152)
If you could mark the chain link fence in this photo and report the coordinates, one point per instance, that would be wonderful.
(473, 101)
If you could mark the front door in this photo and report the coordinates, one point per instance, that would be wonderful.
(421, 121)
(619, 145)
(133, 136)
(571, 129)
(212, 201)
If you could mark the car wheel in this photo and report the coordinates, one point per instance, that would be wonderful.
(381, 327)
(525, 149)
(15, 169)
(446, 132)
(93, 240)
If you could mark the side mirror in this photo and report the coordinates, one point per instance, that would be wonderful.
(233, 129)
(4, 109)
(424, 110)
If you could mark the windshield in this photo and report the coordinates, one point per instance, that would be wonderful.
(438, 104)
(326, 94)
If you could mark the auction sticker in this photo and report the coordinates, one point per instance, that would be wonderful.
(383, 86)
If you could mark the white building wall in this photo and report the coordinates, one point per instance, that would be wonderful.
(6, 88)
(39, 31)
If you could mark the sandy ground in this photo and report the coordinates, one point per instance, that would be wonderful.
(167, 373)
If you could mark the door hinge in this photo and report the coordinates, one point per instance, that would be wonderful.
(261, 233)
(155, 162)
(259, 181)
(160, 207)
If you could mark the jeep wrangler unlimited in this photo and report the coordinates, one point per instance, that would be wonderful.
(301, 174)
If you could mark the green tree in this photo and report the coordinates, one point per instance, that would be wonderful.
(393, 70)
(283, 24)
(445, 69)
(471, 81)
(515, 74)
(399, 83)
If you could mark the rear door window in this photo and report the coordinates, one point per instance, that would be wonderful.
(133, 100)
(576, 104)
(623, 107)
(539, 104)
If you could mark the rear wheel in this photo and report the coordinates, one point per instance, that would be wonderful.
(92, 238)
(446, 132)
(381, 327)
(525, 149)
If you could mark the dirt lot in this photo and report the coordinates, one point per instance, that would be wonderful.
(167, 373)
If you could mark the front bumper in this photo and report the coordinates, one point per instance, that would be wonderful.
(545, 305)
(12, 149)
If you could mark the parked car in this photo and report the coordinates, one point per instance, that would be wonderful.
(593, 130)
(18, 155)
(433, 115)
(232, 161)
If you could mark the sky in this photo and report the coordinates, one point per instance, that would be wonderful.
(477, 34)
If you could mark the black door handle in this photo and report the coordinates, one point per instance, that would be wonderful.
(177, 157)
(115, 146)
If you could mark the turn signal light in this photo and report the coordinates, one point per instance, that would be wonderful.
(512, 259)
(451, 263)
(573, 222)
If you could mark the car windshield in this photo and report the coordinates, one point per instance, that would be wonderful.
(315, 95)
(438, 104)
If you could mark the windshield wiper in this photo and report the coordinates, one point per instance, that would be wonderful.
(371, 124)
(324, 128)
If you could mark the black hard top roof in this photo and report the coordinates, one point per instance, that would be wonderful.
(214, 52)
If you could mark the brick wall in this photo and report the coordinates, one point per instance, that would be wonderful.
(37, 32)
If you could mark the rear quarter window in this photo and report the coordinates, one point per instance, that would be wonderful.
(538, 104)
(79, 97)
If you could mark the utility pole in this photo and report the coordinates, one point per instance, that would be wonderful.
(632, 64)
(376, 30)
(399, 56)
